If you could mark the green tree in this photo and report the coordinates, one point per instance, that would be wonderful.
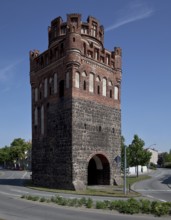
(18, 151)
(166, 159)
(15, 153)
(137, 155)
(4, 156)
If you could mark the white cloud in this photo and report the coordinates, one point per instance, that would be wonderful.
(133, 12)
(7, 74)
(8, 70)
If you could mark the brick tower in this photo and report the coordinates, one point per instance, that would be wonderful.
(76, 117)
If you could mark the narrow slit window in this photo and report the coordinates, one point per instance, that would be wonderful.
(84, 85)
(98, 89)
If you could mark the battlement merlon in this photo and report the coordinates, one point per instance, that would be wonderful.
(118, 51)
(34, 54)
(118, 63)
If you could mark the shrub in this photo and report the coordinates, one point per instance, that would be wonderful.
(52, 199)
(112, 205)
(42, 199)
(57, 200)
(80, 203)
(63, 202)
(134, 206)
(131, 206)
(100, 205)
(24, 196)
(167, 164)
(29, 197)
(120, 206)
(145, 206)
(153, 166)
(83, 200)
(35, 198)
(73, 202)
(159, 208)
(89, 203)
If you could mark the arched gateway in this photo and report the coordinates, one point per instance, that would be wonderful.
(98, 170)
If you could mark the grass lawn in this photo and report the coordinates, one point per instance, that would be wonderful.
(113, 191)
(133, 179)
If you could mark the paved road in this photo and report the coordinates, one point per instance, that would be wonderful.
(14, 208)
(158, 187)
(11, 184)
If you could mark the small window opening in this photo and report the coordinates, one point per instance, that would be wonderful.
(61, 89)
(110, 93)
(61, 50)
(85, 126)
(113, 130)
(84, 46)
(73, 39)
(40, 95)
(84, 85)
(50, 90)
(100, 128)
(98, 89)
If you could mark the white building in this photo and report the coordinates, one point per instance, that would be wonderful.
(154, 156)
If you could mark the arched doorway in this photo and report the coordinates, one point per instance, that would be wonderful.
(98, 170)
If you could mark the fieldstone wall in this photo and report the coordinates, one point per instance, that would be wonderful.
(76, 131)
(52, 154)
(96, 129)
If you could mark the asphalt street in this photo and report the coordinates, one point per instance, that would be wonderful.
(158, 187)
(12, 207)
(11, 184)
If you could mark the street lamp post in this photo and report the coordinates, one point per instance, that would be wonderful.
(125, 165)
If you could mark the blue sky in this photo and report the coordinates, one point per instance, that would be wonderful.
(140, 27)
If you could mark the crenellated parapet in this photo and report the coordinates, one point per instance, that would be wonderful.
(82, 39)
(91, 28)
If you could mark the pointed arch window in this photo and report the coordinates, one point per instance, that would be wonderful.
(45, 88)
(91, 82)
(50, 86)
(36, 94)
(104, 86)
(84, 74)
(40, 91)
(67, 80)
(77, 80)
(116, 93)
(55, 83)
(42, 120)
(36, 116)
